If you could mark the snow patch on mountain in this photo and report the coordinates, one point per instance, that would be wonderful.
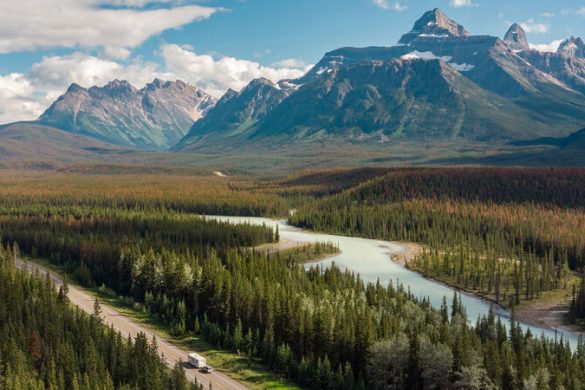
(462, 67)
(433, 35)
(424, 55)
(288, 85)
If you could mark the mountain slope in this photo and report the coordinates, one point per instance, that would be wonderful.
(34, 142)
(154, 117)
(405, 98)
(567, 64)
(575, 140)
(438, 85)
(237, 112)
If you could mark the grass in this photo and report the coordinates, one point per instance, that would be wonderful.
(251, 373)
(237, 367)
(302, 253)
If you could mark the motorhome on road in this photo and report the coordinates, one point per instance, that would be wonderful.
(196, 360)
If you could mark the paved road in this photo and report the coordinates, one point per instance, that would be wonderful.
(127, 327)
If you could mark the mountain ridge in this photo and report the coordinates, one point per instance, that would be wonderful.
(154, 117)
(487, 91)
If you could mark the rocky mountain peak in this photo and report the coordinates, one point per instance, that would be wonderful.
(260, 82)
(434, 24)
(572, 47)
(75, 88)
(230, 94)
(515, 38)
(154, 117)
(119, 85)
(157, 83)
(259, 87)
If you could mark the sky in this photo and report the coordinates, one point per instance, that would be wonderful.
(45, 45)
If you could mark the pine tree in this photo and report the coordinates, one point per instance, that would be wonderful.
(97, 311)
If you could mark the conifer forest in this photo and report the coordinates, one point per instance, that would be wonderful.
(513, 237)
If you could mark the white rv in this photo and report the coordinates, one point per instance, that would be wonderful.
(196, 361)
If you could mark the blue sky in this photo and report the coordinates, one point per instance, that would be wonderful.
(220, 44)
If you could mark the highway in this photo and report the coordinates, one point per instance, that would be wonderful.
(126, 326)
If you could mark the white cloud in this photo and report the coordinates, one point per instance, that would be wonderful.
(26, 96)
(295, 63)
(386, 4)
(460, 3)
(531, 26)
(16, 100)
(551, 47)
(134, 3)
(54, 74)
(217, 75)
(548, 14)
(581, 11)
(41, 24)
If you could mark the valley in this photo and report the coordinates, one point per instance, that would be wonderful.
(138, 239)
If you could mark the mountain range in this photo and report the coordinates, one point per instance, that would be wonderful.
(439, 87)
(438, 83)
(154, 117)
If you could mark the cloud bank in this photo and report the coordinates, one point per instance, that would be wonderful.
(531, 26)
(114, 26)
(551, 47)
(389, 5)
(24, 96)
(217, 75)
(460, 3)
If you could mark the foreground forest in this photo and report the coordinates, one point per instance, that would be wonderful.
(47, 344)
(514, 234)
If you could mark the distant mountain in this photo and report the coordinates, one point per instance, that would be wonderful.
(575, 140)
(420, 99)
(33, 142)
(516, 38)
(434, 24)
(572, 47)
(238, 112)
(438, 84)
(154, 117)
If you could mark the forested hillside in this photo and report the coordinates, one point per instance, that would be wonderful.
(510, 234)
(47, 344)
(141, 188)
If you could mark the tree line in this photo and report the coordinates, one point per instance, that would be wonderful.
(88, 242)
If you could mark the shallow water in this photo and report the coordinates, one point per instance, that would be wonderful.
(371, 260)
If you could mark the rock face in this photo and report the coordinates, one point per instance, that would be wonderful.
(516, 38)
(237, 112)
(572, 47)
(439, 84)
(566, 65)
(567, 69)
(434, 25)
(154, 117)
(425, 99)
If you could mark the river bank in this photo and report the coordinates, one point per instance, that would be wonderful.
(370, 260)
(548, 312)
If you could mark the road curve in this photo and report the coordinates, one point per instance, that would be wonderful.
(171, 353)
